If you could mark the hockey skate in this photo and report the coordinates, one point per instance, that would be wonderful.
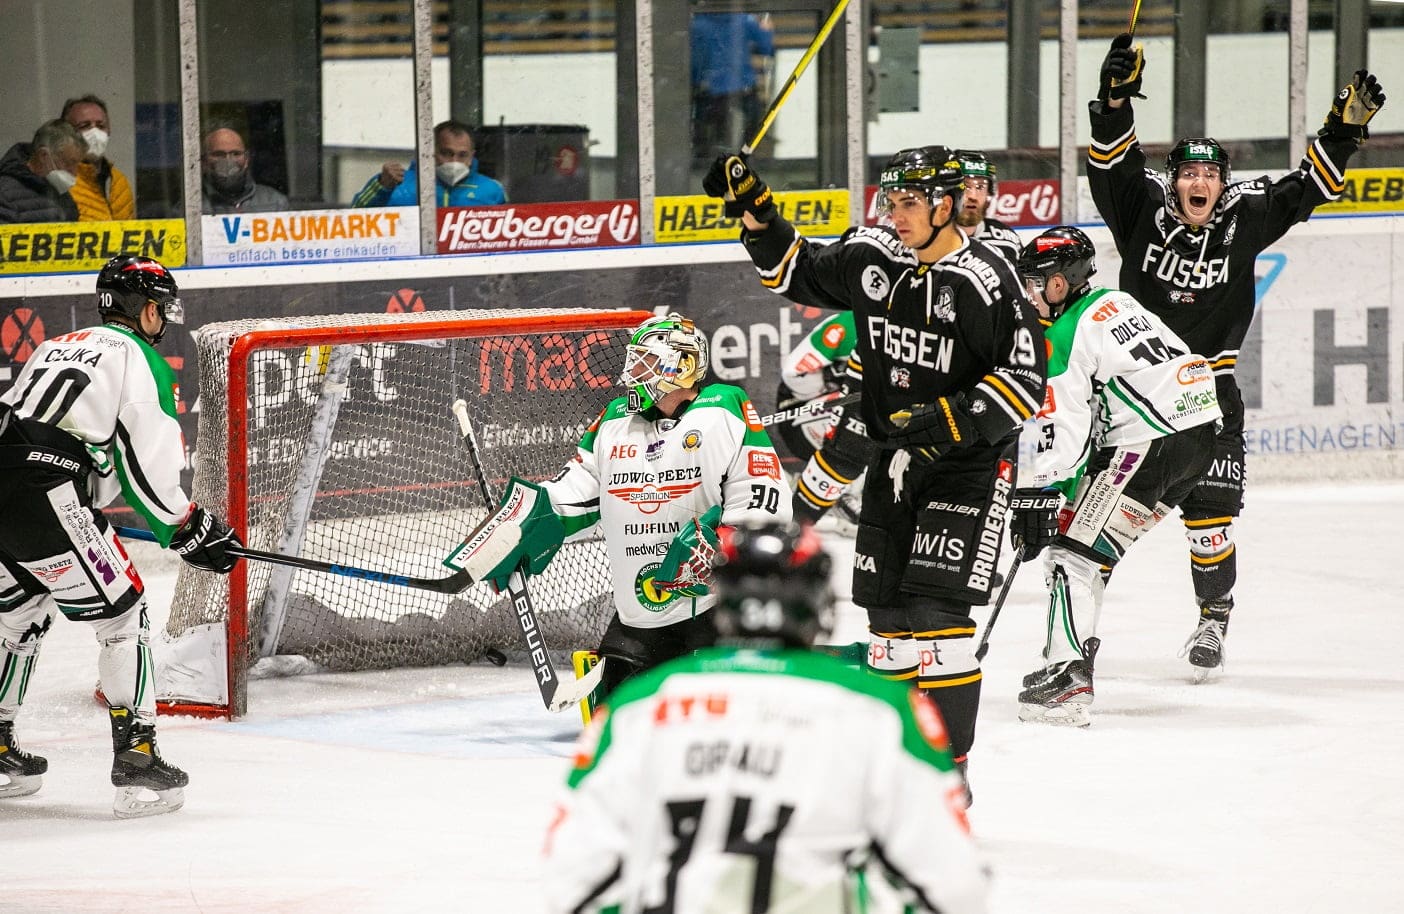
(139, 772)
(1206, 646)
(1061, 694)
(23, 773)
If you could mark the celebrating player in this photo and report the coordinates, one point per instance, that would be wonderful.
(980, 192)
(1125, 433)
(660, 470)
(1188, 239)
(953, 363)
(726, 781)
(92, 415)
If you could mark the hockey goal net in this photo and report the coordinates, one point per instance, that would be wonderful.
(332, 438)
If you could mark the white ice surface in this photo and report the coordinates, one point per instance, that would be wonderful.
(1275, 788)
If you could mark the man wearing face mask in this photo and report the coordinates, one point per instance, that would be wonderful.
(457, 181)
(103, 193)
(228, 182)
(36, 177)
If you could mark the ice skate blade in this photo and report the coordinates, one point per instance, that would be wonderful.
(137, 802)
(1203, 674)
(21, 785)
(1070, 714)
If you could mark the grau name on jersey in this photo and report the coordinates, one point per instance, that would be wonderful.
(1187, 273)
(911, 346)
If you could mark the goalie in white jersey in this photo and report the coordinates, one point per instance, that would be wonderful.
(1126, 430)
(92, 415)
(659, 471)
(762, 776)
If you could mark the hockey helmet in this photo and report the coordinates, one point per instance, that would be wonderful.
(772, 586)
(975, 164)
(1197, 149)
(664, 354)
(127, 282)
(1064, 250)
(932, 170)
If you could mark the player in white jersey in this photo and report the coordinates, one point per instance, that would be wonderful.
(762, 776)
(91, 416)
(1126, 431)
(659, 471)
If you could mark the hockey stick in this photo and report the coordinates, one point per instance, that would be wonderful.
(457, 582)
(800, 67)
(983, 647)
(556, 695)
(805, 410)
(1135, 15)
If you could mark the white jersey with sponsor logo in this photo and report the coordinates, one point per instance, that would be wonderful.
(1116, 375)
(641, 477)
(762, 781)
(112, 391)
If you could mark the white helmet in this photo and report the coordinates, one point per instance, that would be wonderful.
(664, 354)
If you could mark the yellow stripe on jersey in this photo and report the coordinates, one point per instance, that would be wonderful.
(1207, 522)
(782, 270)
(1015, 400)
(1106, 157)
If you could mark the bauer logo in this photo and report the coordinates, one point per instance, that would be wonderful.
(580, 224)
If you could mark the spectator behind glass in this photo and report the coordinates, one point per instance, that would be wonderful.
(724, 81)
(36, 177)
(228, 180)
(457, 181)
(103, 193)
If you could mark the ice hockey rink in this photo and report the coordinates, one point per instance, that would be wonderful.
(1275, 787)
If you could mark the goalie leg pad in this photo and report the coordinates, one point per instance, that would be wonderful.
(524, 531)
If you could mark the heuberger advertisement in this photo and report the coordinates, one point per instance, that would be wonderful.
(64, 247)
(1017, 203)
(312, 235)
(699, 218)
(538, 226)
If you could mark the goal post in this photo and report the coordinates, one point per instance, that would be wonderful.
(331, 437)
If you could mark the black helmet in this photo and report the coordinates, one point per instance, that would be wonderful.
(127, 282)
(974, 164)
(1065, 250)
(1197, 149)
(772, 584)
(934, 170)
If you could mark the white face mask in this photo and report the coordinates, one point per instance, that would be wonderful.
(96, 138)
(450, 173)
(61, 181)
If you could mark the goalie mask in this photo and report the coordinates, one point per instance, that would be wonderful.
(772, 586)
(663, 355)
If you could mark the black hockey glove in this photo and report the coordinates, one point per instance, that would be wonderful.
(1353, 107)
(731, 179)
(1122, 69)
(929, 430)
(203, 541)
(1033, 519)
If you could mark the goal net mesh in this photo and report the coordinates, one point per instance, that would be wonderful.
(347, 451)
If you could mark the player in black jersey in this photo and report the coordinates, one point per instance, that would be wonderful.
(980, 191)
(953, 362)
(1188, 239)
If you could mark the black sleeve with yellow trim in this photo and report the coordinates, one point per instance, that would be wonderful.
(804, 272)
(1012, 391)
(1116, 168)
(1320, 178)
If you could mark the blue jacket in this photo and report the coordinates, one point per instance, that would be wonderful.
(475, 190)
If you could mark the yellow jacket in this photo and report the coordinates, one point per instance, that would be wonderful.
(97, 203)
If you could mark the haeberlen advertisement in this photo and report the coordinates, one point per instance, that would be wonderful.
(538, 226)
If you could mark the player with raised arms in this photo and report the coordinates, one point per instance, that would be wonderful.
(659, 471)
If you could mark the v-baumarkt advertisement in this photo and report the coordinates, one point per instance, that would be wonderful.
(311, 235)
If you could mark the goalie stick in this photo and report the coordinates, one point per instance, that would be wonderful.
(983, 647)
(555, 694)
(457, 582)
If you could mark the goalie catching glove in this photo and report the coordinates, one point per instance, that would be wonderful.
(204, 540)
(731, 179)
(1353, 107)
(523, 534)
(929, 430)
(687, 568)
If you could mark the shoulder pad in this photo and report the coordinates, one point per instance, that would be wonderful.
(882, 238)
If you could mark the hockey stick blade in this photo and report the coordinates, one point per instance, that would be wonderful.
(546, 679)
(984, 647)
(457, 582)
(570, 694)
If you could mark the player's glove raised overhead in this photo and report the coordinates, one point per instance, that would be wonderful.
(929, 430)
(687, 568)
(1353, 107)
(1033, 519)
(204, 541)
(1121, 69)
(731, 179)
